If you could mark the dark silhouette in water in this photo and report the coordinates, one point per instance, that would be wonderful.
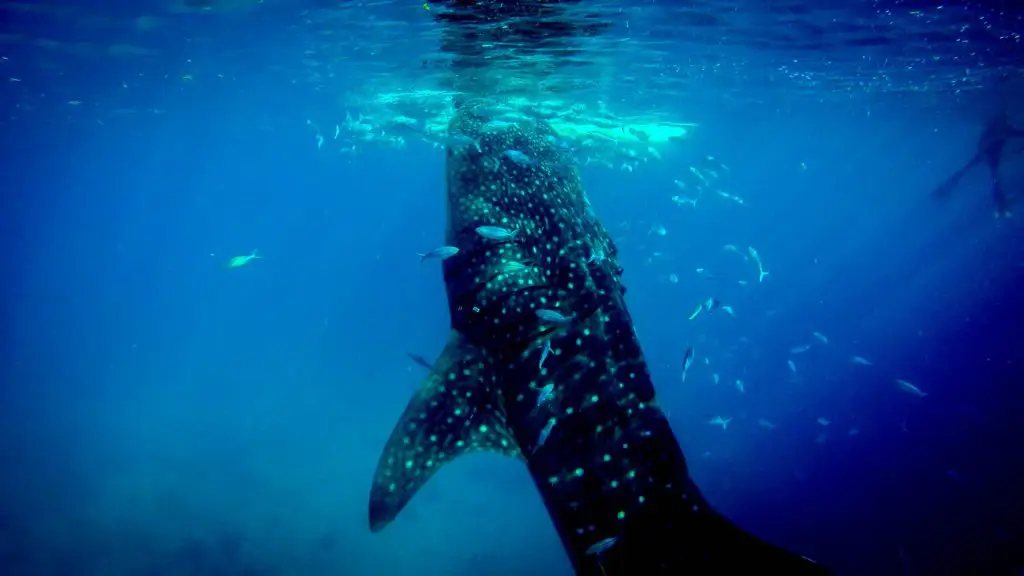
(543, 363)
(991, 144)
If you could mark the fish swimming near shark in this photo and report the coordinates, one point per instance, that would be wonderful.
(599, 449)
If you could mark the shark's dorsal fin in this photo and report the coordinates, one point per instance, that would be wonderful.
(457, 410)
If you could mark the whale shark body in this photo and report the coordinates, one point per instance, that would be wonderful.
(544, 365)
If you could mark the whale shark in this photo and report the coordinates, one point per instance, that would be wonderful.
(544, 365)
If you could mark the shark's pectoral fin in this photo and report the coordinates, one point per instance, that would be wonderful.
(458, 409)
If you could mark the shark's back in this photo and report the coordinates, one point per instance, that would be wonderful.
(496, 288)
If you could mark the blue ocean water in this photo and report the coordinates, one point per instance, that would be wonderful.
(161, 413)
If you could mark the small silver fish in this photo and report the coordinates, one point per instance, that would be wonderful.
(792, 366)
(545, 394)
(719, 421)
(552, 316)
(420, 360)
(589, 209)
(545, 433)
(687, 361)
(705, 273)
(908, 387)
(544, 355)
(442, 253)
(458, 140)
(496, 233)
(518, 157)
(599, 548)
(495, 126)
(513, 266)
(557, 142)
(239, 261)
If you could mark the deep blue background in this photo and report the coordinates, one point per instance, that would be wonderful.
(162, 414)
